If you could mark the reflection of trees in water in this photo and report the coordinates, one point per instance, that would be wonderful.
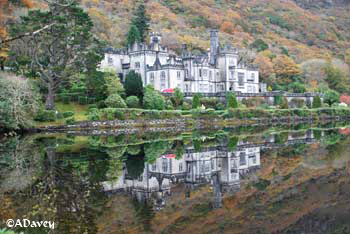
(155, 149)
(135, 164)
(19, 163)
(67, 195)
(144, 214)
(66, 188)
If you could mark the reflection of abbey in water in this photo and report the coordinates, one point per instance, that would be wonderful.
(217, 166)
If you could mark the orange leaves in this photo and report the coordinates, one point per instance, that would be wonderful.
(265, 66)
(227, 27)
(28, 3)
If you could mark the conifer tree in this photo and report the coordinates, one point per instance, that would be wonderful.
(317, 102)
(60, 49)
(141, 21)
(133, 85)
(133, 35)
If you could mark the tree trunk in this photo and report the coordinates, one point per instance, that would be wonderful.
(2, 65)
(50, 98)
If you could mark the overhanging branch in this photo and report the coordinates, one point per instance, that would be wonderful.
(29, 34)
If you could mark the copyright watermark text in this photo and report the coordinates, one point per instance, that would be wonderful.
(28, 223)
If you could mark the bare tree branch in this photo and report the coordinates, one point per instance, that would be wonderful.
(29, 34)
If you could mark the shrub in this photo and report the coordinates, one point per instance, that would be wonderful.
(330, 97)
(65, 99)
(94, 114)
(70, 121)
(153, 99)
(68, 114)
(133, 102)
(220, 106)
(82, 100)
(101, 104)
(297, 103)
(196, 101)
(209, 102)
(46, 116)
(177, 98)
(92, 106)
(284, 104)
(186, 106)
(115, 101)
(253, 101)
(231, 100)
(317, 102)
(169, 105)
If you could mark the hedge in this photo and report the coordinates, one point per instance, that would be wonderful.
(133, 113)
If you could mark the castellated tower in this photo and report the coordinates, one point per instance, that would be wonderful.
(155, 37)
(214, 46)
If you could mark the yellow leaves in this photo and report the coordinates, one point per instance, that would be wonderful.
(233, 15)
(158, 12)
(194, 42)
(284, 65)
(4, 48)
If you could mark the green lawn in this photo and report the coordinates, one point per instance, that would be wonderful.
(80, 113)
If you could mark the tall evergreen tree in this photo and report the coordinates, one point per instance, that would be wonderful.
(317, 102)
(133, 35)
(141, 21)
(133, 85)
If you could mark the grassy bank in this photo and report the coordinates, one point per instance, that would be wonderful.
(246, 113)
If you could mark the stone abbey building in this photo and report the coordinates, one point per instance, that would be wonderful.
(219, 70)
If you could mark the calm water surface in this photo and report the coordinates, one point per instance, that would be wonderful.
(245, 180)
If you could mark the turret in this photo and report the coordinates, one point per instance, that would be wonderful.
(155, 38)
(214, 46)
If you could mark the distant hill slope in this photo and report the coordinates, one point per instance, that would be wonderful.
(305, 28)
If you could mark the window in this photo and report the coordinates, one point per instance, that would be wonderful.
(178, 75)
(162, 75)
(240, 78)
(242, 159)
(232, 75)
(252, 78)
(211, 89)
(210, 75)
(180, 166)
(154, 167)
(205, 72)
(187, 88)
(137, 65)
(254, 159)
(162, 80)
(110, 61)
(151, 78)
(200, 72)
(165, 165)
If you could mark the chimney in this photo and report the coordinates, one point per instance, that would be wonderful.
(214, 46)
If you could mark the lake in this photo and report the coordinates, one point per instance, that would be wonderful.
(240, 180)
